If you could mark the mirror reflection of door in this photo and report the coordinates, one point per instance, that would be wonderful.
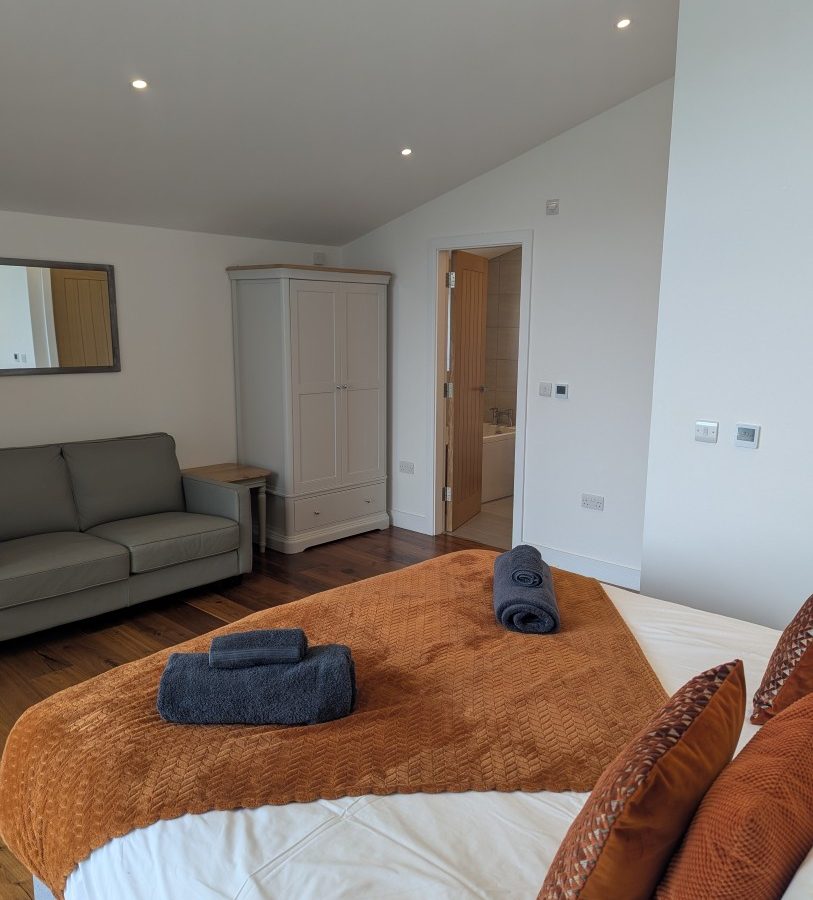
(82, 317)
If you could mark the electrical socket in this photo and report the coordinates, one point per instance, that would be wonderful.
(406, 468)
(593, 501)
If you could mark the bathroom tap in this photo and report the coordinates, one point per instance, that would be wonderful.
(507, 414)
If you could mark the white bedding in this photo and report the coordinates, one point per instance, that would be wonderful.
(419, 846)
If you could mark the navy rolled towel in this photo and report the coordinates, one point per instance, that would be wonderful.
(257, 648)
(524, 597)
(320, 688)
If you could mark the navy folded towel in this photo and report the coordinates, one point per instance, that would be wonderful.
(257, 648)
(320, 688)
(524, 597)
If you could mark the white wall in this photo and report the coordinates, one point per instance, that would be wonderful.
(174, 330)
(15, 318)
(594, 304)
(729, 529)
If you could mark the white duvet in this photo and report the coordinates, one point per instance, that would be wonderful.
(418, 846)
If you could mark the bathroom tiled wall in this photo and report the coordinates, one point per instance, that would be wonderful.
(502, 333)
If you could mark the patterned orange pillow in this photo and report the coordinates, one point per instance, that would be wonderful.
(621, 842)
(789, 675)
(755, 825)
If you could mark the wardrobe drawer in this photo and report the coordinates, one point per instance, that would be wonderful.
(367, 500)
(315, 512)
(339, 506)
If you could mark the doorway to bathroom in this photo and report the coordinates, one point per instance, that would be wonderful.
(479, 290)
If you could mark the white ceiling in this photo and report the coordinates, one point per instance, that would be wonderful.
(285, 118)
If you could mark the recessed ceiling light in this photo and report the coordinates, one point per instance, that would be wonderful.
(623, 23)
(407, 151)
(139, 84)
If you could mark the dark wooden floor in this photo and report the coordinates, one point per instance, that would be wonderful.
(36, 666)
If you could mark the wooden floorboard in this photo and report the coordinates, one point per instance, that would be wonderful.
(36, 666)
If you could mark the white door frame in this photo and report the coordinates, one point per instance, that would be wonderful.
(437, 341)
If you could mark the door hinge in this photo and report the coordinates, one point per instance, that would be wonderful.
(447, 494)
(448, 390)
(450, 279)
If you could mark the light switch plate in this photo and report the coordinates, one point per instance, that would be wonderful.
(406, 468)
(562, 391)
(545, 389)
(706, 432)
(747, 436)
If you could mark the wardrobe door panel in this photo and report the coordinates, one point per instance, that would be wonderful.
(364, 373)
(316, 329)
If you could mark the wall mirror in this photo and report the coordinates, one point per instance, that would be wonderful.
(57, 318)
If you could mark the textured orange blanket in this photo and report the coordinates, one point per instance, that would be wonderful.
(447, 701)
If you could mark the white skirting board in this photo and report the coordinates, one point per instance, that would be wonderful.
(411, 521)
(609, 572)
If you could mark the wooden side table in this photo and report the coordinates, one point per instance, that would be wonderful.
(233, 473)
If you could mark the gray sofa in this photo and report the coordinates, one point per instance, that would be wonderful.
(98, 525)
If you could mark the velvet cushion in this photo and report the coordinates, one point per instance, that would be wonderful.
(619, 845)
(755, 825)
(789, 675)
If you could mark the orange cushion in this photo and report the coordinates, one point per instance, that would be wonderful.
(755, 825)
(789, 675)
(621, 842)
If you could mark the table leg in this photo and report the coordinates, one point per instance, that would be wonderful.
(262, 516)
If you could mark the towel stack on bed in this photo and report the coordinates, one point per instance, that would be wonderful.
(267, 677)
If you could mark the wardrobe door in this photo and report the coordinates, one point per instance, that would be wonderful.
(317, 336)
(364, 371)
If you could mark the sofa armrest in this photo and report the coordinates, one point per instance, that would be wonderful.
(232, 501)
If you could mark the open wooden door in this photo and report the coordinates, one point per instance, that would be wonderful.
(464, 408)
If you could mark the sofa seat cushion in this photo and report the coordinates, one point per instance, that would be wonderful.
(50, 565)
(166, 539)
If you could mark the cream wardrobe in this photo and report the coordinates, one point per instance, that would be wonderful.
(310, 348)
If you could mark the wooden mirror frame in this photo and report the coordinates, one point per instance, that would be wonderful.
(114, 328)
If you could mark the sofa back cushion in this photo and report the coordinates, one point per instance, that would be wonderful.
(124, 477)
(35, 493)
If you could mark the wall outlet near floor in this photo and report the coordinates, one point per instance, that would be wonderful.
(406, 468)
(593, 501)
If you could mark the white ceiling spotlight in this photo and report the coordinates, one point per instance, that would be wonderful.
(623, 23)
(139, 84)
(407, 151)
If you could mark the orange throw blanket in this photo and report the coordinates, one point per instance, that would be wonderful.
(447, 701)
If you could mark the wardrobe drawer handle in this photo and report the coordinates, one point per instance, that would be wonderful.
(368, 501)
(316, 512)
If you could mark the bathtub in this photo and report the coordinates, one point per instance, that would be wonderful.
(498, 461)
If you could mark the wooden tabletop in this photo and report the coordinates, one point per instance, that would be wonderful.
(231, 472)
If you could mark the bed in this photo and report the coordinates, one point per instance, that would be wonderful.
(468, 845)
